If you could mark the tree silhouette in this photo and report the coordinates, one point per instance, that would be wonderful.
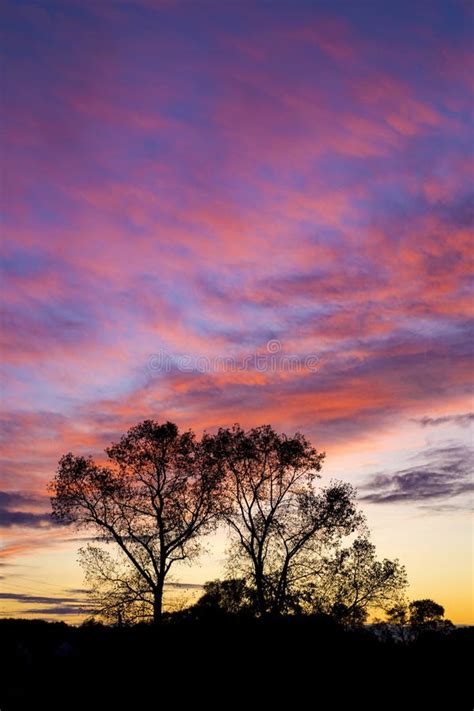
(428, 616)
(119, 593)
(280, 524)
(351, 582)
(231, 596)
(410, 620)
(161, 491)
(423, 612)
(155, 499)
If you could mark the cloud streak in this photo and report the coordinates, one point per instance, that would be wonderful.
(11, 515)
(463, 420)
(41, 599)
(447, 474)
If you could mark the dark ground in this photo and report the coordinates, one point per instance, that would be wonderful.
(229, 662)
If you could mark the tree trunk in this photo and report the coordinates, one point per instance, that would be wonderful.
(158, 602)
(261, 602)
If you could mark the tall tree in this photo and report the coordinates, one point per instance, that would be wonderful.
(281, 525)
(156, 498)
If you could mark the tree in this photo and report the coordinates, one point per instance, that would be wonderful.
(280, 524)
(232, 596)
(395, 626)
(119, 593)
(156, 498)
(428, 616)
(351, 582)
(409, 620)
(425, 612)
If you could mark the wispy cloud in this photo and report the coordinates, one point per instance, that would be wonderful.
(12, 513)
(463, 420)
(42, 599)
(60, 610)
(446, 474)
(56, 605)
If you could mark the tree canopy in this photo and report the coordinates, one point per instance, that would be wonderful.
(280, 524)
(352, 582)
(155, 499)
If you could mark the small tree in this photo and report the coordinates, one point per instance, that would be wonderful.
(425, 612)
(352, 582)
(426, 615)
(409, 620)
(155, 500)
(280, 524)
(232, 596)
(119, 593)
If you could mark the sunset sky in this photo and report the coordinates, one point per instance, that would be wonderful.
(193, 192)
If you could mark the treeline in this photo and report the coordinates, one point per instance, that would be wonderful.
(404, 622)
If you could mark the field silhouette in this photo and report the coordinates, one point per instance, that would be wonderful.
(221, 660)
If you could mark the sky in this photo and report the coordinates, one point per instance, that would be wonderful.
(231, 211)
